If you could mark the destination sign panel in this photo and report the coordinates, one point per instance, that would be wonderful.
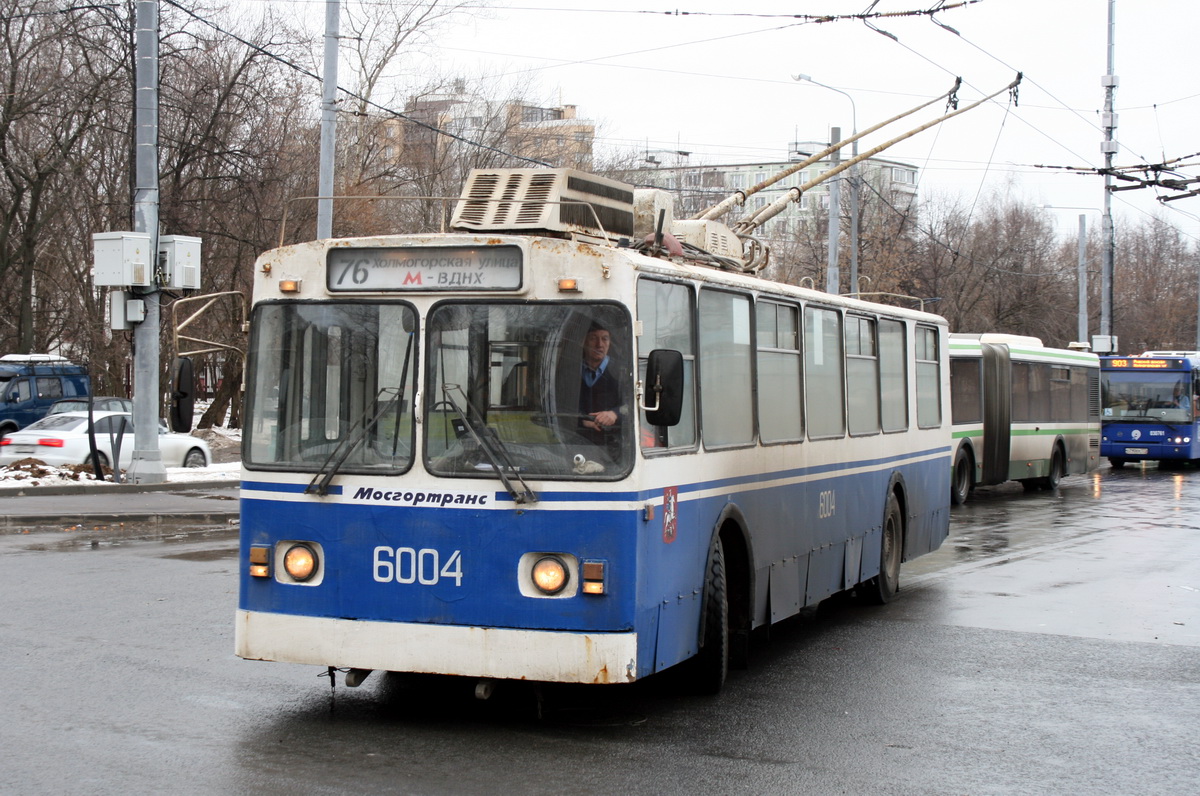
(422, 268)
(1151, 364)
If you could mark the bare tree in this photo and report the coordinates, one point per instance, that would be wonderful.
(60, 70)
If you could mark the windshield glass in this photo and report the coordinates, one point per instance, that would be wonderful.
(540, 390)
(1147, 397)
(331, 378)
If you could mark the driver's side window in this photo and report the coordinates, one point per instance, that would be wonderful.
(665, 311)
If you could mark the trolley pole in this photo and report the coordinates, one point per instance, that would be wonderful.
(146, 466)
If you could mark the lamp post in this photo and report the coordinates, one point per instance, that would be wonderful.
(853, 180)
(1082, 329)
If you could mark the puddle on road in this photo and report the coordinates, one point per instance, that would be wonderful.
(205, 555)
(78, 538)
(1003, 521)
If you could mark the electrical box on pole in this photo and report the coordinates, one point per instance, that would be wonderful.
(122, 259)
(179, 262)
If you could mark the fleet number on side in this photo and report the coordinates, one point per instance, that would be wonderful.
(826, 504)
(409, 565)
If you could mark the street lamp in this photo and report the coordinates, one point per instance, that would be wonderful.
(853, 189)
(1082, 329)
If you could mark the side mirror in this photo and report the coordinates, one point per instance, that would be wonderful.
(183, 396)
(662, 397)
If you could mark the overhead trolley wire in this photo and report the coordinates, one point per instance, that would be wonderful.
(390, 111)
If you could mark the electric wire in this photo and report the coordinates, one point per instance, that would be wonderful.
(353, 95)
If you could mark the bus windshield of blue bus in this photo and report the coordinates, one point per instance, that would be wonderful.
(331, 384)
(538, 390)
(1145, 396)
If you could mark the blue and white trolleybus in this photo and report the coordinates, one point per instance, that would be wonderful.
(572, 440)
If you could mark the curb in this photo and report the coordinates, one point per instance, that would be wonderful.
(109, 488)
(114, 518)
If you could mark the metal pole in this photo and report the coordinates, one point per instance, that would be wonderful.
(832, 277)
(146, 466)
(854, 186)
(1109, 148)
(328, 121)
(1082, 330)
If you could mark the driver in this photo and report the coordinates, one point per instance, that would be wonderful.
(599, 393)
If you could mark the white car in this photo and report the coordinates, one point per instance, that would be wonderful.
(63, 439)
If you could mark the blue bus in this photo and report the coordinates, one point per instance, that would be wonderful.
(1150, 410)
(561, 443)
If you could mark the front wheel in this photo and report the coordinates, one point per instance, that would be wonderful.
(707, 671)
(1116, 464)
(883, 587)
(195, 458)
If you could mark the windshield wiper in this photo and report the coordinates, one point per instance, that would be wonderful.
(320, 482)
(352, 442)
(498, 457)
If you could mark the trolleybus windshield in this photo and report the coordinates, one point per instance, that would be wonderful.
(331, 387)
(507, 388)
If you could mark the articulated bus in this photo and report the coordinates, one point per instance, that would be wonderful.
(1022, 412)
(1150, 407)
(426, 489)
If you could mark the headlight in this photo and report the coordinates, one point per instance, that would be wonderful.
(300, 562)
(550, 575)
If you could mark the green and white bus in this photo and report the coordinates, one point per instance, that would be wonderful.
(1021, 412)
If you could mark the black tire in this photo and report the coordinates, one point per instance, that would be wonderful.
(100, 457)
(1116, 464)
(880, 589)
(195, 458)
(1058, 468)
(708, 670)
(962, 479)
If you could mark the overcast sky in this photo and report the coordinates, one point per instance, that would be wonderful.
(715, 80)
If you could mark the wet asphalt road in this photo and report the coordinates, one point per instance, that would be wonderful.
(1051, 646)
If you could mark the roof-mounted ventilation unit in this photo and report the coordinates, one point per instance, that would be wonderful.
(711, 236)
(548, 200)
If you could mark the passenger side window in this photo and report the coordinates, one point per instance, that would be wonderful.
(862, 375)
(780, 408)
(893, 376)
(726, 376)
(929, 378)
(824, 390)
(49, 387)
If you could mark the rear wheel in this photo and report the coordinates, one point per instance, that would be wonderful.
(1058, 467)
(195, 458)
(961, 480)
(883, 587)
(101, 459)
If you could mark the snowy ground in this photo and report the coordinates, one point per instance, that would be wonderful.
(225, 445)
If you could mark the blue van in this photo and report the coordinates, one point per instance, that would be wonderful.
(29, 383)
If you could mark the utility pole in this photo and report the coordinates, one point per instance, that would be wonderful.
(146, 466)
(854, 181)
(832, 277)
(1109, 147)
(328, 121)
